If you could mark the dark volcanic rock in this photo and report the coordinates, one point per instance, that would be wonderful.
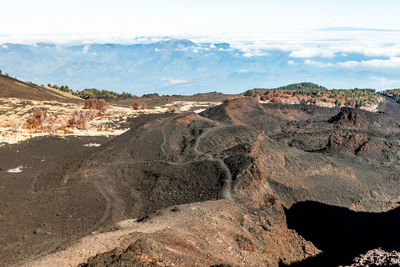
(243, 161)
(374, 123)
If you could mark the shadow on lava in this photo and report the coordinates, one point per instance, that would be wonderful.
(340, 233)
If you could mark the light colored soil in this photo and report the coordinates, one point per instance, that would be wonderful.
(14, 113)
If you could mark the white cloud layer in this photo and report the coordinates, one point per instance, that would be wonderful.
(302, 44)
(172, 81)
(391, 63)
(312, 52)
(317, 63)
(386, 83)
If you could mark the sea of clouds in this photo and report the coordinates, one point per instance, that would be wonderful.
(340, 58)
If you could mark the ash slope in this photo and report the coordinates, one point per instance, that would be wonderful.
(13, 88)
(257, 157)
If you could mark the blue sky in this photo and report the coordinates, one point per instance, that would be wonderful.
(271, 43)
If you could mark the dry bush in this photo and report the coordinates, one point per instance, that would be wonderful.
(66, 131)
(80, 119)
(98, 104)
(102, 105)
(139, 105)
(90, 103)
(36, 118)
(174, 109)
(40, 120)
(15, 126)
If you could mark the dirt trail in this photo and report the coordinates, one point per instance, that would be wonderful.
(227, 189)
(107, 211)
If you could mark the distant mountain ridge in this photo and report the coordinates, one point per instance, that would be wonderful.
(182, 66)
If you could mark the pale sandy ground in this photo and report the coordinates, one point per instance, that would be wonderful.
(14, 112)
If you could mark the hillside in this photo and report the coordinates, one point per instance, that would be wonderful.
(310, 93)
(13, 88)
(302, 86)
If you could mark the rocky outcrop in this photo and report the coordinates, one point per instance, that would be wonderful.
(378, 123)
(340, 140)
(351, 117)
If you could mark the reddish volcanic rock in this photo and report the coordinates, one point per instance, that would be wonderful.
(248, 111)
(351, 117)
(340, 140)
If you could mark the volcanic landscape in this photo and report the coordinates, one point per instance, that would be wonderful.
(242, 183)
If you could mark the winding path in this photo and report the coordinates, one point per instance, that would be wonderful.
(226, 190)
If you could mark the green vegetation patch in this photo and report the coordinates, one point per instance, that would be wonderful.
(311, 93)
(92, 93)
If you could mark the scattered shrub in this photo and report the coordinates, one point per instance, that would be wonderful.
(40, 120)
(98, 104)
(66, 131)
(15, 126)
(174, 109)
(80, 119)
(139, 105)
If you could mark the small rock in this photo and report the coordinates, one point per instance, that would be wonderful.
(175, 209)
